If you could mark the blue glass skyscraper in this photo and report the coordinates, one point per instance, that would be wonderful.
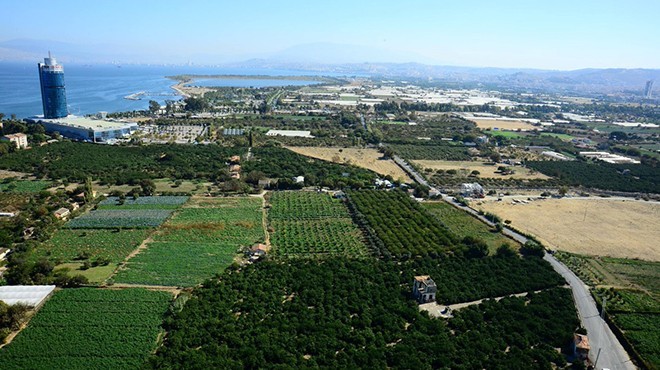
(53, 95)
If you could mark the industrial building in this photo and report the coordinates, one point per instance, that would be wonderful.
(86, 128)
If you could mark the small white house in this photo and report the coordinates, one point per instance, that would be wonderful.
(299, 179)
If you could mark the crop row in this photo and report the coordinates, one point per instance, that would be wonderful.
(159, 200)
(63, 334)
(197, 242)
(310, 222)
(400, 223)
(114, 218)
(305, 205)
(335, 236)
(69, 244)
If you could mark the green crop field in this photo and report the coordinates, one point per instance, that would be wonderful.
(115, 218)
(163, 202)
(462, 224)
(177, 264)
(431, 152)
(307, 223)
(632, 291)
(199, 241)
(24, 186)
(90, 329)
(70, 244)
(400, 223)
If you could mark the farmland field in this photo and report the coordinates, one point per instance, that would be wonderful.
(417, 232)
(163, 202)
(503, 124)
(431, 152)
(308, 223)
(114, 218)
(366, 158)
(90, 329)
(200, 240)
(632, 289)
(462, 224)
(24, 186)
(485, 170)
(598, 227)
(68, 244)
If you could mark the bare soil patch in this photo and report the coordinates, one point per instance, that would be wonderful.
(503, 124)
(485, 170)
(600, 227)
(365, 158)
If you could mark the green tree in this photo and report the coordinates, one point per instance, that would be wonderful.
(154, 106)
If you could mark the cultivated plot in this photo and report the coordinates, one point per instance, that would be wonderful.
(309, 223)
(199, 241)
(462, 224)
(90, 329)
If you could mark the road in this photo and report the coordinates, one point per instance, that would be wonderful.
(612, 354)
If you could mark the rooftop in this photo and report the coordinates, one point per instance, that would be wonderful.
(13, 136)
(84, 122)
(31, 295)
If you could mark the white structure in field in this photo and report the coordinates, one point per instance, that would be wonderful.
(289, 133)
(609, 157)
(32, 295)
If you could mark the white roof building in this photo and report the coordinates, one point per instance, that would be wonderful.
(290, 133)
(32, 295)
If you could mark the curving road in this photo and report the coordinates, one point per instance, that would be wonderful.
(612, 354)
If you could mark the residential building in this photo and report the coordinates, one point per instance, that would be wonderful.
(424, 289)
(19, 139)
(62, 213)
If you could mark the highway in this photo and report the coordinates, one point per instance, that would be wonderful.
(612, 354)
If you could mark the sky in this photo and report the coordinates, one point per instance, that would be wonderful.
(557, 34)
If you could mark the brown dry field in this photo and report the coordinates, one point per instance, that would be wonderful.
(503, 124)
(365, 158)
(600, 227)
(484, 170)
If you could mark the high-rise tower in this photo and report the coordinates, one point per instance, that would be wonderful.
(53, 95)
(648, 89)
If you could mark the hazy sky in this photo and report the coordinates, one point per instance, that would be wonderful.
(552, 34)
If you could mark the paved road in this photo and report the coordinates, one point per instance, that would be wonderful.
(612, 355)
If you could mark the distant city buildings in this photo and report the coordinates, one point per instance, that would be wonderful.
(53, 94)
(648, 89)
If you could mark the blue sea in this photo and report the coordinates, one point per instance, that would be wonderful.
(94, 88)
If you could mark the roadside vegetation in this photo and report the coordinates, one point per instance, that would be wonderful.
(630, 291)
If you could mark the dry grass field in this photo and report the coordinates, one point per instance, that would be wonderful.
(485, 170)
(365, 158)
(503, 124)
(594, 226)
